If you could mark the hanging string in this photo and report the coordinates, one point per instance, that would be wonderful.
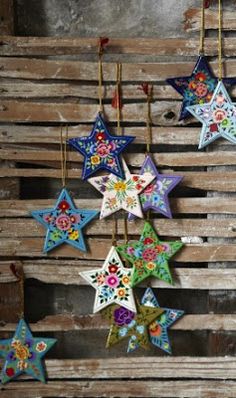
(202, 28)
(220, 41)
(118, 96)
(148, 90)
(19, 274)
(63, 149)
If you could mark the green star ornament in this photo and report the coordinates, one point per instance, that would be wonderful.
(149, 256)
(125, 323)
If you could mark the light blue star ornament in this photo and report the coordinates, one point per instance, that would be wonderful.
(218, 117)
(64, 223)
(158, 329)
(23, 354)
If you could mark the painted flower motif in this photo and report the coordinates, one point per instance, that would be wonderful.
(32, 356)
(200, 76)
(125, 280)
(75, 218)
(120, 186)
(192, 85)
(148, 241)
(155, 329)
(213, 127)
(220, 99)
(95, 159)
(112, 281)
(138, 252)
(103, 150)
(121, 292)
(130, 201)
(150, 266)
(201, 90)
(41, 346)
(149, 189)
(112, 202)
(73, 235)
(111, 162)
(159, 248)
(206, 113)
(100, 279)
(130, 250)
(165, 247)
(140, 329)
(149, 254)
(219, 115)
(49, 218)
(56, 235)
(112, 268)
(123, 316)
(100, 136)
(63, 222)
(10, 372)
(64, 205)
(11, 356)
(138, 264)
(225, 123)
(123, 332)
(22, 365)
(107, 292)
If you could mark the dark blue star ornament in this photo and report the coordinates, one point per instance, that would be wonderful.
(64, 223)
(198, 88)
(23, 354)
(158, 329)
(101, 150)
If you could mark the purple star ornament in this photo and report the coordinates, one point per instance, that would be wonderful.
(101, 150)
(197, 88)
(155, 195)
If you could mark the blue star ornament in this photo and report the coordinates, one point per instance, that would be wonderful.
(64, 223)
(197, 88)
(155, 195)
(23, 354)
(158, 329)
(101, 150)
(218, 117)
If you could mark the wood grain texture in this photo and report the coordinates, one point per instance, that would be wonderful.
(24, 46)
(6, 17)
(192, 21)
(123, 389)
(59, 272)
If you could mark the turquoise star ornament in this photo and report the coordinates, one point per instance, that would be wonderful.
(64, 223)
(23, 354)
(101, 150)
(158, 329)
(218, 117)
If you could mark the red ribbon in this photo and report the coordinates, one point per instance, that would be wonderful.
(103, 42)
(207, 3)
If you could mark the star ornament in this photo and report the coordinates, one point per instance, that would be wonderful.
(112, 283)
(218, 117)
(121, 194)
(101, 150)
(197, 88)
(23, 354)
(64, 223)
(149, 256)
(125, 323)
(155, 195)
(158, 329)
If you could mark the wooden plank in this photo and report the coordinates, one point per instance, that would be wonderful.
(24, 46)
(192, 21)
(41, 69)
(211, 181)
(98, 249)
(22, 208)
(224, 228)
(7, 17)
(123, 389)
(28, 112)
(59, 272)
(187, 159)
(143, 367)
(68, 322)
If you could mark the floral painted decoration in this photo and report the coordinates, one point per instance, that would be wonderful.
(149, 256)
(101, 150)
(23, 354)
(125, 323)
(218, 117)
(158, 329)
(121, 194)
(64, 223)
(112, 283)
(155, 195)
(198, 88)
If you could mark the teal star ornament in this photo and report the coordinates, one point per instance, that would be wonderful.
(64, 223)
(158, 329)
(149, 256)
(218, 117)
(23, 354)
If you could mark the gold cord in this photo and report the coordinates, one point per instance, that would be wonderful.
(63, 149)
(149, 118)
(118, 96)
(220, 41)
(100, 73)
(202, 29)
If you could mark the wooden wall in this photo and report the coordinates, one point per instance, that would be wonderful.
(46, 82)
